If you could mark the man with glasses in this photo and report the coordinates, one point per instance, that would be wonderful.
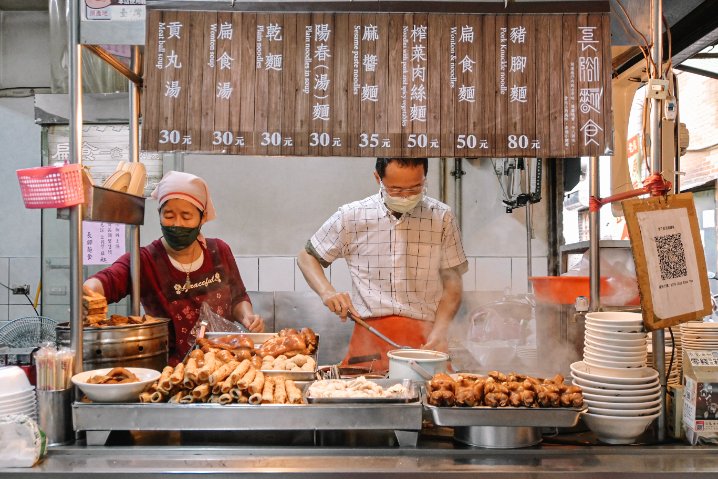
(405, 257)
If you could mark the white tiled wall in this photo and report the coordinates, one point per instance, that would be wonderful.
(249, 270)
(493, 274)
(4, 279)
(24, 271)
(281, 273)
(276, 273)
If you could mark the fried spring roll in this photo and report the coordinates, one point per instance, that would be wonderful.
(201, 391)
(225, 399)
(210, 364)
(255, 399)
(176, 398)
(242, 399)
(186, 399)
(235, 393)
(163, 383)
(190, 373)
(146, 396)
(294, 394)
(157, 397)
(240, 371)
(222, 372)
(226, 386)
(259, 383)
(177, 375)
(246, 380)
(224, 356)
(268, 391)
(280, 391)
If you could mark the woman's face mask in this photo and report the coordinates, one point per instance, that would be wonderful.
(180, 237)
(401, 204)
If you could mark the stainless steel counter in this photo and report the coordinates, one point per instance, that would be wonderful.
(348, 456)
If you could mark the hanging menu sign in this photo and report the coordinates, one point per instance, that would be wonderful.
(378, 84)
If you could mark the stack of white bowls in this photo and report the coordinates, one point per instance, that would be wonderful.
(17, 396)
(622, 394)
(615, 340)
(674, 374)
(699, 335)
(621, 403)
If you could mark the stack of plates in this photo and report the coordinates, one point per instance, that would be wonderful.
(615, 340)
(622, 403)
(674, 376)
(17, 396)
(699, 335)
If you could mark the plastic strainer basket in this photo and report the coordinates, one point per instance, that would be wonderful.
(52, 186)
(28, 332)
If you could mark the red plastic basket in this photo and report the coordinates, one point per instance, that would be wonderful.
(51, 186)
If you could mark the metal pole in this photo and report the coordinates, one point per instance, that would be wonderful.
(594, 234)
(75, 87)
(529, 232)
(458, 173)
(136, 66)
(677, 141)
(656, 167)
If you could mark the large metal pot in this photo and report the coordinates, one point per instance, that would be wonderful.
(416, 364)
(136, 345)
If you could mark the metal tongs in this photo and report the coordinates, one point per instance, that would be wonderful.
(375, 331)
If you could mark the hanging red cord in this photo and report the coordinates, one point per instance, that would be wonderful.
(655, 185)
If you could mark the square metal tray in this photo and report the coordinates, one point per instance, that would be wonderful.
(384, 383)
(503, 416)
(260, 338)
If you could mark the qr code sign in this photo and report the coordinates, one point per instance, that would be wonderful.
(671, 256)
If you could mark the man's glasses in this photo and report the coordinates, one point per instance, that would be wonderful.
(414, 190)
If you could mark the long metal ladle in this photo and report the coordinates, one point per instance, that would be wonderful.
(376, 332)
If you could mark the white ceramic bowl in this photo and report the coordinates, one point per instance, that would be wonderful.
(617, 430)
(609, 334)
(616, 328)
(628, 389)
(608, 354)
(625, 412)
(18, 410)
(15, 402)
(613, 347)
(128, 392)
(13, 380)
(623, 406)
(598, 337)
(614, 375)
(615, 317)
(592, 360)
(617, 399)
(27, 393)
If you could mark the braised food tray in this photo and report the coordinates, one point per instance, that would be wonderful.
(503, 416)
(413, 395)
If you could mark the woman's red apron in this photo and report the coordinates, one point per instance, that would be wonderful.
(367, 350)
(207, 284)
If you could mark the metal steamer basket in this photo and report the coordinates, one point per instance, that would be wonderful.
(501, 428)
(136, 345)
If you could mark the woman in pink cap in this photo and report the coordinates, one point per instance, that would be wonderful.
(182, 269)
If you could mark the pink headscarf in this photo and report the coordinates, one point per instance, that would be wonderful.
(188, 187)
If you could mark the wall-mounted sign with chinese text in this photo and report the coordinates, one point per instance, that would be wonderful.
(378, 84)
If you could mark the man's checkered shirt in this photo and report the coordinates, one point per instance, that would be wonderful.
(394, 263)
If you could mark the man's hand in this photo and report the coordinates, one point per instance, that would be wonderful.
(254, 323)
(436, 343)
(340, 304)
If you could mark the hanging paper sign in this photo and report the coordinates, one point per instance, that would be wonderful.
(670, 264)
(103, 243)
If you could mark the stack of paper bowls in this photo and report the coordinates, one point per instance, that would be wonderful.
(699, 336)
(615, 340)
(17, 396)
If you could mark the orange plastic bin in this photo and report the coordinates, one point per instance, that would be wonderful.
(565, 289)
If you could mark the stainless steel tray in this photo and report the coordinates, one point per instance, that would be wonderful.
(260, 338)
(503, 416)
(385, 383)
(101, 419)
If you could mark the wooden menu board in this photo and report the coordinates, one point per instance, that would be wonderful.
(378, 84)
